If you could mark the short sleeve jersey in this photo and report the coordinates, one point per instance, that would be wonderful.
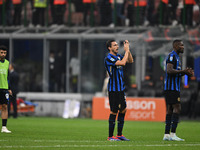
(116, 75)
(173, 81)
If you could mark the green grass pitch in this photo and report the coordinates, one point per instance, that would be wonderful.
(39, 133)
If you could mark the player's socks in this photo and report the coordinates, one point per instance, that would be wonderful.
(120, 123)
(4, 122)
(168, 123)
(111, 124)
(175, 119)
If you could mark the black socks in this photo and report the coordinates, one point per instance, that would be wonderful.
(111, 124)
(4, 122)
(175, 119)
(171, 123)
(120, 123)
(168, 123)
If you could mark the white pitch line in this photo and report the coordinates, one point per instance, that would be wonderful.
(90, 141)
(79, 146)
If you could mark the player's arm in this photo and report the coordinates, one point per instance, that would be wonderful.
(130, 58)
(171, 70)
(123, 61)
(126, 55)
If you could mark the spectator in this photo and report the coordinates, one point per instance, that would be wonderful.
(1, 10)
(130, 12)
(14, 80)
(39, 12)
(140, 8)
(9, 12)
(172, 9)
(152, 14)
(59, 10)
(78, 14)
(29, 14)
(88, 5)
(17, 12)
(187, 18)
(105, 12)
(52, 72)
(75, 70)
(118, 9)
(164, 14)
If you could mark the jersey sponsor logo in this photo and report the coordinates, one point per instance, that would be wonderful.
(112, 59)
(171, 58)
(3, 71)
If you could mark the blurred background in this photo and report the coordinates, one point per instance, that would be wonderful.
(58, 48)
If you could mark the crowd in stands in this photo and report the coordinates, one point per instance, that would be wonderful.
(99, 12)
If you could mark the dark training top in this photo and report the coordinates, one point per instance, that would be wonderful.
(173, 81)
(116, 80)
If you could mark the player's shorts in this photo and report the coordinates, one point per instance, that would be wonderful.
(172, 97)
(117, 101)
(4, 97)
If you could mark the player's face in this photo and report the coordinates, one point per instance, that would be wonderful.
(114, 48)
(2, 54)
(180, 47)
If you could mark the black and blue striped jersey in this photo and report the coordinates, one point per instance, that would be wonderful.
(116, 80)
(173, 81)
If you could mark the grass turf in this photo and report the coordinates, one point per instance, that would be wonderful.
(57, 133)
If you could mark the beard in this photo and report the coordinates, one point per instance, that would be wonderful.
(115, 52)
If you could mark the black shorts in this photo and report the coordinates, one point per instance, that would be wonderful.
(117, 101)
(172, 97)
(4, 97)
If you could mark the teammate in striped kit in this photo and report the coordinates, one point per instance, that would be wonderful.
(114, 63)
(172, 90)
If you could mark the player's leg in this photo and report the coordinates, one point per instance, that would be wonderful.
(120, 120)
(175, 120)
(168, 119)
(113, 114)
(121, 116)
(4, 116)
(175, 116)
(169, 110)
(4, 111)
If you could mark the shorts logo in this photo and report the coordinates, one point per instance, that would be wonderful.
(119, 106)
(179, 99)
(7, 96)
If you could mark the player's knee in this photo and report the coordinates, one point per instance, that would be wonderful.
(123, 111)
(114, 111)
(4, 107)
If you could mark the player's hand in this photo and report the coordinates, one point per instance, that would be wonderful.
(189, 71)
(10, 92)
(126, 45)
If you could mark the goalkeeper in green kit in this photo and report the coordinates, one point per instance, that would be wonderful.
(4, 88)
